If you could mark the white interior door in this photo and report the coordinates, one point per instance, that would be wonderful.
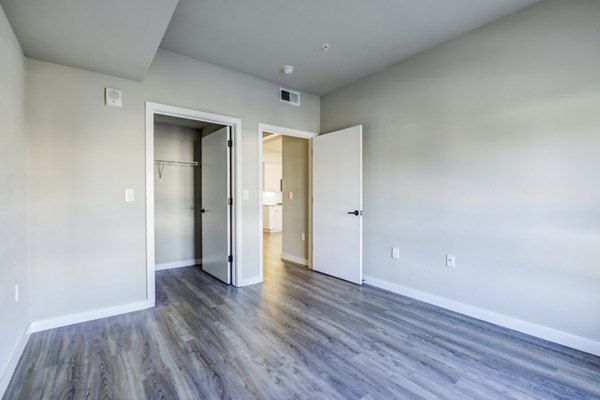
(216, 211)
(337, 204)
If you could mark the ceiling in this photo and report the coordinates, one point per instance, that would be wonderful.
(114, 37)
(258, 37)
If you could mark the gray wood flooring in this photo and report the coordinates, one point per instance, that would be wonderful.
(300, 335)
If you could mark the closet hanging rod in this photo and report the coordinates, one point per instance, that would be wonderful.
(179, 163)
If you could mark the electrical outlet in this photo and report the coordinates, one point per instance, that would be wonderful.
(303, 236)
(17, 292)
(396, 253)
(450, 261)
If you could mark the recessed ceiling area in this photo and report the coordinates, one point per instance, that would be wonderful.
(258, 37)
(113, 37)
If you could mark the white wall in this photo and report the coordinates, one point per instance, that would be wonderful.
(488, 148)
(295, 210)
(13, 235)
(87, 245)
(178, 235)
(270, 156)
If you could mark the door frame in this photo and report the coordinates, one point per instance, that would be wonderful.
(236, 224)
(283, 131)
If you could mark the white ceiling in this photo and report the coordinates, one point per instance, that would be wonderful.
(114, 37)
(258, 37)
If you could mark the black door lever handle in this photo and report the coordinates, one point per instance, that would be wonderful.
(202, 210)
(355, 212)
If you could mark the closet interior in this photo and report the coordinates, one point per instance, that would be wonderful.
(178, 193)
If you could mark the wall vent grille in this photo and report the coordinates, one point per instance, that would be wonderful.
(289, 96)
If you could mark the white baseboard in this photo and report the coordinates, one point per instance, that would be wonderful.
(51, 323)
(178, 264)
(294, 259)
(540, 331)
(12, 362)
(250, 281)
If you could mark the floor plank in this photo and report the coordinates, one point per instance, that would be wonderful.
(300, 335)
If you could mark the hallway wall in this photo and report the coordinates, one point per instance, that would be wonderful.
(295, 210)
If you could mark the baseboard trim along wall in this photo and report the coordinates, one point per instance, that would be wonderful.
(52, 323)
(250, 281)
(12, 363)
(178, 264)
(294, 259)
(539, 331)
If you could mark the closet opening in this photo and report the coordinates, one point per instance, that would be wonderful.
(191, 204)
(191, 178)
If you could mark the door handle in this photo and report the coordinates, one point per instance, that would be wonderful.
(355, 212)
(202, 210)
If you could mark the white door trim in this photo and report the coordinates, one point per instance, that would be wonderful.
(236, 127)
(285, 132)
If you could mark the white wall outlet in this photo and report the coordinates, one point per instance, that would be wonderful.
(113, 97)
(396, 253)
(450, 261)
(303, 236)
(16, 292)
(290, 195)
(129, 195)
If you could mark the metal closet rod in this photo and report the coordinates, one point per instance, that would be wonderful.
(180, 163)
(162, 163)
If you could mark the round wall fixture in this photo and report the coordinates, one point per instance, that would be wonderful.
(288, 69)
(325, 48)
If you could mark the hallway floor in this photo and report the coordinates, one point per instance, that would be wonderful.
(300, 335)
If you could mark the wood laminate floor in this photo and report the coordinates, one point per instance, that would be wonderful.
(300, 335)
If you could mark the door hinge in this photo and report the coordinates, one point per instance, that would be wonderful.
(230, 201)
(230, 143)
(229, 258)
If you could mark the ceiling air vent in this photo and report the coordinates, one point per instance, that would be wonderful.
(289, 96)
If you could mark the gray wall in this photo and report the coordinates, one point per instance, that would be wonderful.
(178, 234)
(488, 148)
(295, 211)
(13, 236)
(87, 245)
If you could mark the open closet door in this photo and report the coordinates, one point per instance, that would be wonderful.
(337, 204)
(216, 210)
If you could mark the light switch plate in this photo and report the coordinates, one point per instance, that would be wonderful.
(290, 195)
(245, 194)
(129, 195)
(450, 261)
(396, 253)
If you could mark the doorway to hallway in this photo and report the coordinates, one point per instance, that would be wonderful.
(285, 194)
